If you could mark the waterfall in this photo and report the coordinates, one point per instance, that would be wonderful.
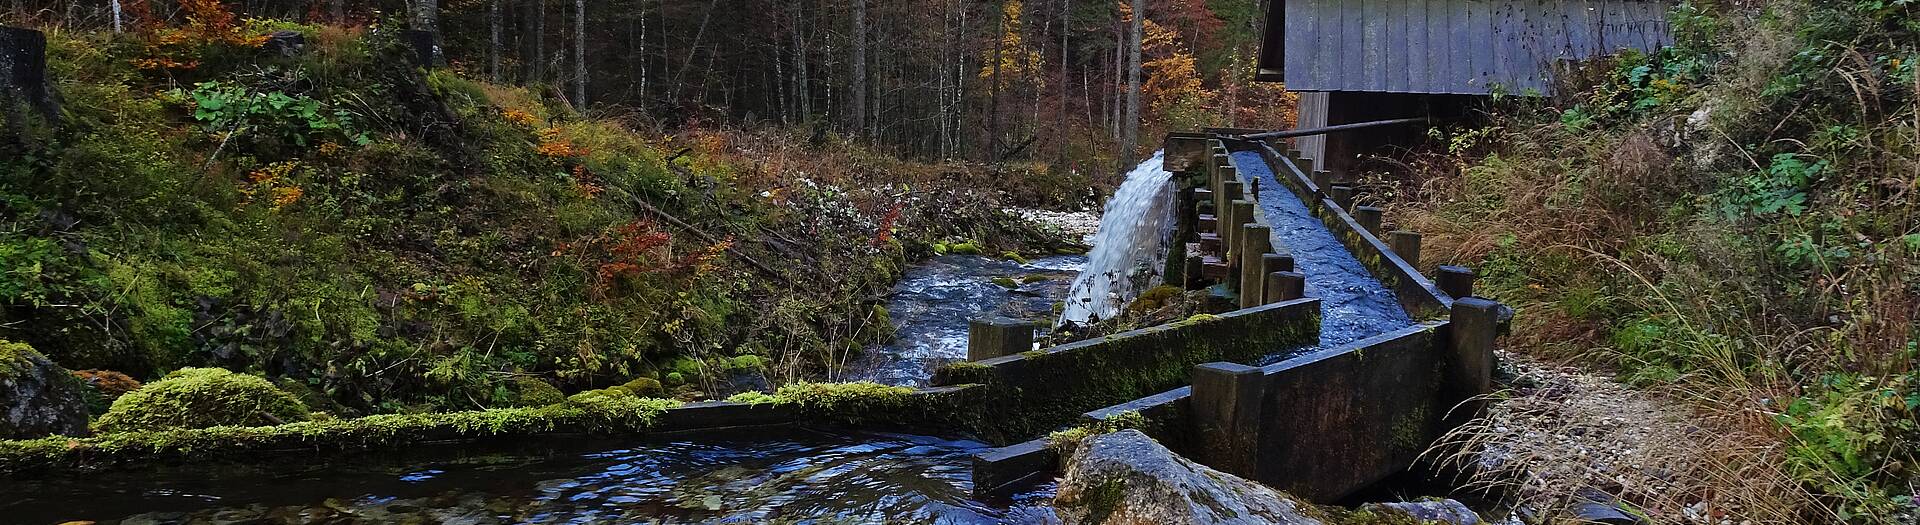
(1130, 248)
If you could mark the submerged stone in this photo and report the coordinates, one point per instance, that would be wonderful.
(37, 397)
(1125, 478)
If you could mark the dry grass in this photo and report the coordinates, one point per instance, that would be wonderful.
(1559, 437)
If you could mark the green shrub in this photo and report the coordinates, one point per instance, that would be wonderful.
(201, 398)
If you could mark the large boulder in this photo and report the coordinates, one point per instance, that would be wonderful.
(200, 398)
(1125, 478)
(37, 397)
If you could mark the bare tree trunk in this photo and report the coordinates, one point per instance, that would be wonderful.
(494, 20)
(993, 92)
(426, 16)
(539, 42)
(640, 55)
(1060, 121)
(859, 94)
(1115, 81)
(1130, 127)
(580, 54)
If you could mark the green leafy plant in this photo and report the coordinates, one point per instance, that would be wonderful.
(225, 107)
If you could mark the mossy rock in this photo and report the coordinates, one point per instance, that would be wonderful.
(37, 397)
(674, 379)
(747, 363)
(645, 386)
(1015, 257)
(1033, 279)
(965, 248)
(201, 398)
(1006, 282)
(531, 392)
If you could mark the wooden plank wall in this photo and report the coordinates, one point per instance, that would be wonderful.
(1469, 47)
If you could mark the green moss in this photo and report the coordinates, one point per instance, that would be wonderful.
(1015, 257)
(747, 363)
(1033, 279)
(965, 248)
(645, 386)
(752, 398)
(674, 379)
(1202, 318)
(1006, 282)
(531, 392)
(14, 358)
(847, 402)
(200, 398)
(1066, 441)
(619, 407)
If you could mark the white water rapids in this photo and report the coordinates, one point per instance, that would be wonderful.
(1130, 248)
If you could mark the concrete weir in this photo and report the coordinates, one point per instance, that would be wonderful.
(1321, 425)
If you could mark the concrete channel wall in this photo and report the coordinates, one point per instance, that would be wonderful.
(1321, 425)
(1031, 393)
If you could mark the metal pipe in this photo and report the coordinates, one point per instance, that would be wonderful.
(1329, 129)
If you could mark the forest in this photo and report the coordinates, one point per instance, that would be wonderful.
(234, 232)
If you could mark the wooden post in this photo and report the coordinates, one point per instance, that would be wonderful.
(1229, 224)
(1203, 201)
(1406, 244)
(1342, 196)
(1275, 262)
(1456, 281)
(1256, 242)
(1226, 404)
(992, 337)
(1242, 216)
(1322, 180)
(1196, 264)
(1369, 218)
(1473, 326)
(1285, 286)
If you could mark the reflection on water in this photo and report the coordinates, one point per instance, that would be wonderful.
(932, 303)
(758, 476)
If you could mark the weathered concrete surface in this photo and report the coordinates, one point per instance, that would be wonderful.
(1035, 392)
(1185, 151)
(1327, 424)
(992, 337)
(37, 397)
(1125, 478)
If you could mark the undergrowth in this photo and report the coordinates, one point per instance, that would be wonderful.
(1730, 220)
(397, 239)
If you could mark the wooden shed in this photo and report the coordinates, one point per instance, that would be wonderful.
(1361, 60)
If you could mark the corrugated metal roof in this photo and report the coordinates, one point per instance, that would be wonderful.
(1453, 46)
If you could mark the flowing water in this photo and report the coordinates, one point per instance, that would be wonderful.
(934, 301)
(1131, 246)
(785, 475)
(1353, 304)
(757, 476)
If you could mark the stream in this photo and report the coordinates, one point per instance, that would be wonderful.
(933, 302)
(749, 476)
(781, 475)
